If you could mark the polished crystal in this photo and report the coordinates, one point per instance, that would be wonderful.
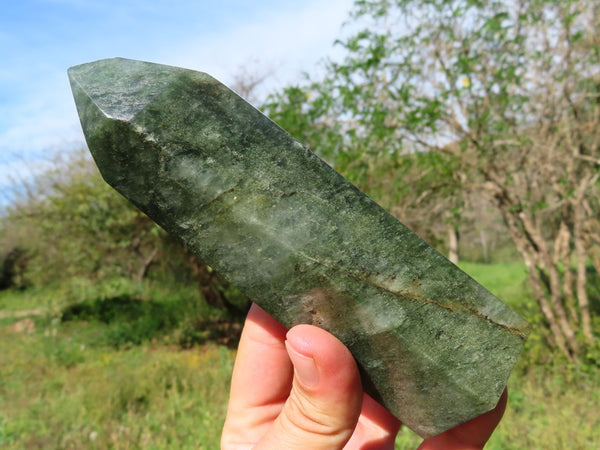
(433, 346)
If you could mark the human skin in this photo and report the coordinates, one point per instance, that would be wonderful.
(301, 389)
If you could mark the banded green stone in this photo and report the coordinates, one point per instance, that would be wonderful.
(433, 346)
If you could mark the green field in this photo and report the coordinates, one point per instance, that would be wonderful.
(132, 366)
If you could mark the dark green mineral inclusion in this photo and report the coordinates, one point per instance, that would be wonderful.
(433, 346)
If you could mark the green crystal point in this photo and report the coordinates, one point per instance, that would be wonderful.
(433, 346)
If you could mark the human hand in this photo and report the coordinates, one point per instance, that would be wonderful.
(300, 389)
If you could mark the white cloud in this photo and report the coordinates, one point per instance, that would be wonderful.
(289, 39)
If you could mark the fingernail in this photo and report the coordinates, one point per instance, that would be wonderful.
(305, 367)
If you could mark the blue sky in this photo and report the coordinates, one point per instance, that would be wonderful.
(40, 39)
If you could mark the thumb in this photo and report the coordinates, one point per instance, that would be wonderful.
(325, 401)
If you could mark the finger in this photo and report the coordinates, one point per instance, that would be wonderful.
(376, 428)
(470, 435)
(261, 380)
(326, 397)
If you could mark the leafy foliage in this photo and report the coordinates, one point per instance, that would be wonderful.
(74, 230)
(75, 225)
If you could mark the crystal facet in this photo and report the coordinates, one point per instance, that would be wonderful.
(433, 345)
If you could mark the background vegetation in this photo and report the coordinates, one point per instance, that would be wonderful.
(474, 122)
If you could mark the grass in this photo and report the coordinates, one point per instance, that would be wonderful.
(508, 281)
(99, 370)
(552, 404)
(58, 391)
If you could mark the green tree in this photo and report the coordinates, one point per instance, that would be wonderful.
(506, 96)
(72, 224)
